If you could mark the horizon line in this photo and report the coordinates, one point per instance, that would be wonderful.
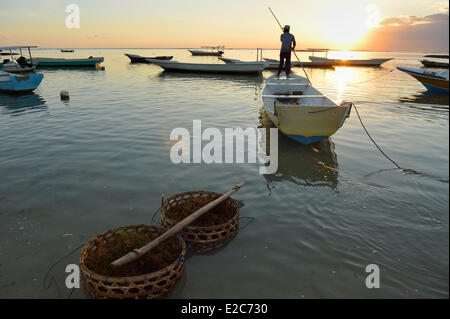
(186, 48)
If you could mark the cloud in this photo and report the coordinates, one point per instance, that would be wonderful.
(414, 20)
(411, 33)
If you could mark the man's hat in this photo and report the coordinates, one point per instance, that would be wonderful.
(287, 28)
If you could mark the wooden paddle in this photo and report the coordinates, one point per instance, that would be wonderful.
(135, 254)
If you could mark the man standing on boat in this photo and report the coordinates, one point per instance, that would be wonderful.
(287, 45)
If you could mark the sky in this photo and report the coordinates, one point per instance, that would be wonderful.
(382, 25)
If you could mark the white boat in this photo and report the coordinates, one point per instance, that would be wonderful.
(300, 111)
(212, 51)
(21, 64)
(350, 62)
(273, 64)
(240, 68)
(59, 62)
(433, 81)
(19, 83)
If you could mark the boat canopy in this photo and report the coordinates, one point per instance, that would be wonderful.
(20, 47)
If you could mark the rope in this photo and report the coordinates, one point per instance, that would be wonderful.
(375, 143)
(405, 170)
(154, 214)
(251, 219)
(52, 279)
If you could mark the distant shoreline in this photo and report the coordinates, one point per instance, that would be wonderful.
(268, 49)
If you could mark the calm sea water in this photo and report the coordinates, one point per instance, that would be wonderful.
(71, 170)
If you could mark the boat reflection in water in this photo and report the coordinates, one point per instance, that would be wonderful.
(15, 105)
(238, 78)
(306, 165)
(427, 98)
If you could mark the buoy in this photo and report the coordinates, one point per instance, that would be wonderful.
(99, 67)
(64, 95)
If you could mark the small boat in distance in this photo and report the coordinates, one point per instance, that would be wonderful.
(57, 62)
(143, 59)
(434, 64)
(67, 50)
(300, 111)
(18, 83)
(433, 81)
(237, 68)
(351, 62)
(213, 51)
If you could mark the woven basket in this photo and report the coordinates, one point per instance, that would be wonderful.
(197, 236)
(150, 286)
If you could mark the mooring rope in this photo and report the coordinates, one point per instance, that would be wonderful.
(375, 143)
(405, 170)
(251, 219)
(155, 213)
(48, 281)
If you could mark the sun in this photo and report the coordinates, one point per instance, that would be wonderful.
(342, 26)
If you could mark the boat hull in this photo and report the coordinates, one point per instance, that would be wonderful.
(206, 53)
(274, 64)
(433, 64)
(300, 111)
(230, 68)
(336, 62)
(309, 125)
(19, 83)
(53, 63)
(431, 81)
(15, 68)
(142, 59)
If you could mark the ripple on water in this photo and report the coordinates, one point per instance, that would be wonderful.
(102, 160)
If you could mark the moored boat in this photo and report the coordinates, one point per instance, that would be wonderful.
(273, 64)
(433, 81)
(300, 111)
(18, 83)
(213, 51)
(437, 56)
(351, 62)
(57, 62)
(142, 59)
(22, 66)
(67, 50)
(19, 65)
(435, 64)
(239, 68)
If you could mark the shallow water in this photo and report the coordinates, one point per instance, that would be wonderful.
(71, 170)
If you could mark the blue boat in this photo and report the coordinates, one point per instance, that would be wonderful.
(15, 83)
(436, 82)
